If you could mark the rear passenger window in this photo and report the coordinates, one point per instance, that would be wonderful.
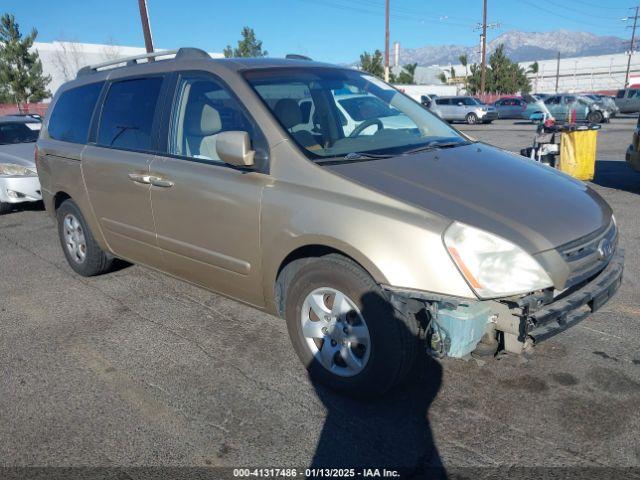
(72, 113)
(127, 114)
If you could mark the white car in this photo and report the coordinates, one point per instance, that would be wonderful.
(18, 176)
(356, 110)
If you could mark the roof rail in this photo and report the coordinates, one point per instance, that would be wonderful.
(296, 56)
(182, 53)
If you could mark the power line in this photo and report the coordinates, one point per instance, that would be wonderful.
(578, 12)
(377, 12)
(565, 17)
(582, 3)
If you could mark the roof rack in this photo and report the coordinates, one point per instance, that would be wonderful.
(182, 53)
(296, 56)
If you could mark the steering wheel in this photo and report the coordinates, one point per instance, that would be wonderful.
(366, 124)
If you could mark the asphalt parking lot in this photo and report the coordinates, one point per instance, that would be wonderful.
(135, 368)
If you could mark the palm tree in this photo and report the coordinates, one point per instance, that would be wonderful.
(533, 69)
(464, 61)
(443, 77)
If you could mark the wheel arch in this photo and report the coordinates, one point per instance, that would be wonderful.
(310, 250)
(60, 197)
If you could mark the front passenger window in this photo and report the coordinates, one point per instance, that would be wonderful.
(204, 110)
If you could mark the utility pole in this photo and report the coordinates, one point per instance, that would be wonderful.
(631, 46)
(483, 74)
(386, 41)
(483, 45)
(557, 72)
(146, 28)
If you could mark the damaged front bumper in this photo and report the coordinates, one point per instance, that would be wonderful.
(460, 323)
(569, 308)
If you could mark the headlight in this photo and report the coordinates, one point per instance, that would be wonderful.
(10, 169)
(493, 266)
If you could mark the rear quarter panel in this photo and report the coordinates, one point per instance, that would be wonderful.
(60, 171)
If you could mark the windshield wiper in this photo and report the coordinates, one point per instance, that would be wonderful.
(352, 157)
(360, 155)
(433, 146)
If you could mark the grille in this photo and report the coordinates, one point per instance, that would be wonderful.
(588, 255)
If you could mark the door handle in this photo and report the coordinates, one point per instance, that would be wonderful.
(160, 182)
(139, 178)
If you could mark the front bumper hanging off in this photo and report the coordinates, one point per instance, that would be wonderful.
(532, 317)
(569, 310)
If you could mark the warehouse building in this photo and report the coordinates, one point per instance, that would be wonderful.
(578, 74)
(62, 60)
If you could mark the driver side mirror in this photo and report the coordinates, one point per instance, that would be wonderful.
(234, 148)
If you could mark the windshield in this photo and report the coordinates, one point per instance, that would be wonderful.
(471, 101)
(18, 132)
(339, 112)
(366, 107)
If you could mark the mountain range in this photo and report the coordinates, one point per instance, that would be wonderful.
(520, 47)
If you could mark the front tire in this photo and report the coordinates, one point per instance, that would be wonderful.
(471, 119)
(344, 329)
(595, 117)
(83, 253)
(5, 208)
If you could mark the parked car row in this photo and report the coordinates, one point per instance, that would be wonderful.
(590, 108)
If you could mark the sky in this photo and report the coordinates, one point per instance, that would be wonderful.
(335, 31)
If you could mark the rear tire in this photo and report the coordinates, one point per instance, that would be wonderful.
(595, 117)
(471, 119)
(333, 344)
(84, 255)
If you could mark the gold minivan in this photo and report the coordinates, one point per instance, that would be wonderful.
(322, 195)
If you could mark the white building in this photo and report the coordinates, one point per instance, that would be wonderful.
(62, 60)
(579, 74)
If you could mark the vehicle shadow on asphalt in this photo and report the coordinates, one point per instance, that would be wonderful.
(391, 431)
(618, 175)
(26, 207)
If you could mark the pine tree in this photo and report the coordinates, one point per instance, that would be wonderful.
(372, 63)
(503, 76)
(21, 77)
(248, 46)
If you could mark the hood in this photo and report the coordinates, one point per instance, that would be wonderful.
(18, 154)
(529, 204)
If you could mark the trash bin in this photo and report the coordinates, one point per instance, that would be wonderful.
(578, 153)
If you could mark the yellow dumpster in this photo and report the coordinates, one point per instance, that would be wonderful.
(578, 153)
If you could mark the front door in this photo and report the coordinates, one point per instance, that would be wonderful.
(207, 213)
(116, 168)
